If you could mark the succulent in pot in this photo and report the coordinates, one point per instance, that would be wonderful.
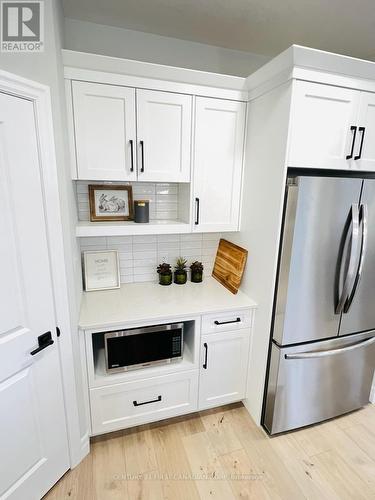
(180, 274)
(196, 272)
(165, 274)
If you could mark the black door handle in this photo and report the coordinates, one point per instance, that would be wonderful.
(238, 320)
(44, 341)
(352, 128)
(131, 156)
(205, 356)
(197, 211)
(143, 156)
(135, 403)
(363, 130)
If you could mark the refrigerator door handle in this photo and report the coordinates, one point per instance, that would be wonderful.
(331, 352)
(363, 217)
(351, 268)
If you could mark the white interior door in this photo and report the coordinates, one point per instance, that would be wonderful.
(224, 358)
(104, 122)
(218, 155)
(33, 449)
(366, 132)
(164, 136)
(321, 134)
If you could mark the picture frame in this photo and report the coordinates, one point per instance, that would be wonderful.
(101, 270)
(110, 202)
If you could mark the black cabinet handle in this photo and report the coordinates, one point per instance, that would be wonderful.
(352, 128)
(135, 403)
(237, 320)
(44, 341)
(143, 156)
(131, 156)
(205, 356)
(363, 130)
(197, 211)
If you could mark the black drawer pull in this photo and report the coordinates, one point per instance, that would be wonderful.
(197, 211)
(131, 156)
(360, 130)
(238, 320)
(135, 403)
(205, 356)
(44, 341)
(143, 156)
(354, 130)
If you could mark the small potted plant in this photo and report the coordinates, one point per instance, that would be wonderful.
(196, 272)
(180, 274)
(165, 274)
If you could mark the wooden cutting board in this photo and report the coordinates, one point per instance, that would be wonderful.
(229, 265)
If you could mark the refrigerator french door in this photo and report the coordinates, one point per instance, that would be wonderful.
(322, 354)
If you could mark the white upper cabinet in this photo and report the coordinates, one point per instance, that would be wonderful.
(119, 137)
(364, 153)
(105, 134)
(218, 156)
(323, 118)
(164, 136)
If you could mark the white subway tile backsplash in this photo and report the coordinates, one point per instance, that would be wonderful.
(140, 255)
(166, 189)
(152, 238)
(141, 278)
(163, 198)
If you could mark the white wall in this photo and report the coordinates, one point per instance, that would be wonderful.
(46, 68)
(117, 42)
(265, 165)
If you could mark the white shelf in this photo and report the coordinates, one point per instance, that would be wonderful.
(87, 229)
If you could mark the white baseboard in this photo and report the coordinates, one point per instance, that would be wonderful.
(372, 393)
(84, 450)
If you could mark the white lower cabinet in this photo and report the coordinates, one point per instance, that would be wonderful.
(224, 359)
(133, 403)
(216, 353)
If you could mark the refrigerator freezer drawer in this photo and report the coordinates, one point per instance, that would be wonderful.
(314, 382)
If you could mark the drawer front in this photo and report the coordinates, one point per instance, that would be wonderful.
(226, 321)
(133, 403)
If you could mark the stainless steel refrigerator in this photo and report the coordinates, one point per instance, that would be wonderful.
(322, 351)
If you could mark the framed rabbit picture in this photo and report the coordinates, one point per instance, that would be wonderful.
(110, 202)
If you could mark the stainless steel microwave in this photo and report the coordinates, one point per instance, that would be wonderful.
(140, 347)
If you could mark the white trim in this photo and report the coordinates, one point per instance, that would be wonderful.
(130, 67)
(88, 75)
(71, 131)
(40, 96)
(372, 392)
(313, 65)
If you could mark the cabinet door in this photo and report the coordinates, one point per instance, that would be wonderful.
(219, 143)
(164, 136)
(104, 122)
(224, 358)
(321, 121)
(366, 133)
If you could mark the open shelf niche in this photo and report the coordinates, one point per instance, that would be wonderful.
(169, 210)
(99, 377)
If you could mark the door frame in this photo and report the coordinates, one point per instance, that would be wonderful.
(40, 96)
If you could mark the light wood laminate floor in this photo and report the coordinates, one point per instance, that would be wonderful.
(222, 454)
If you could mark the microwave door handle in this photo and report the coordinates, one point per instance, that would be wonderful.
(353, 221)
(331, 352)
(363, 214)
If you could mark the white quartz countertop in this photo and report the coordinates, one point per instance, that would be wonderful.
(150, 301)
